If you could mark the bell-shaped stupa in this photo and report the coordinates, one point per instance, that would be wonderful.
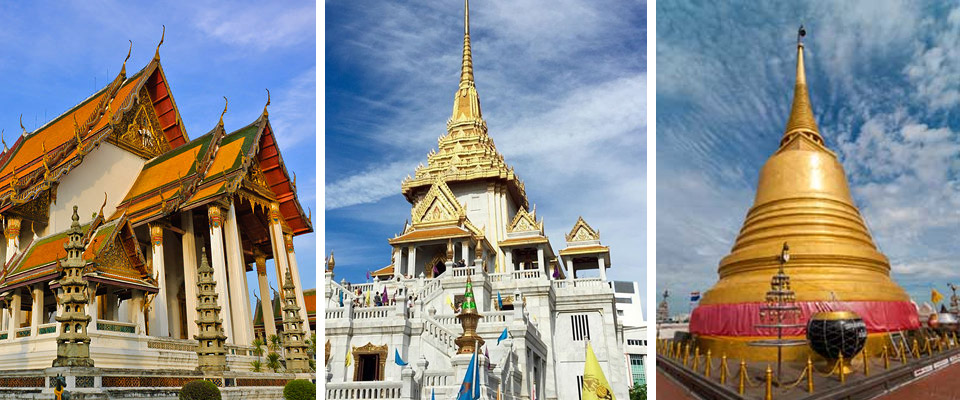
(802, 199)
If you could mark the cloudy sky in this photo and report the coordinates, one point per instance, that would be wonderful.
(562, 85)
(55, 57)
(884, 84)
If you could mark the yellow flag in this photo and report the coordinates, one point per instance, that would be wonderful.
(935, 296)
(595, 385)
(349, 358)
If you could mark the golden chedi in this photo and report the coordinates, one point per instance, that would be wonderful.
(802, 199)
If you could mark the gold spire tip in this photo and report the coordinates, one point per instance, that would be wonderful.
(162, 35)
(225, 103)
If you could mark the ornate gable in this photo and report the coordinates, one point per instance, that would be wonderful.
(526, 222)
(138, 130)
(438, 207)
(582, 232)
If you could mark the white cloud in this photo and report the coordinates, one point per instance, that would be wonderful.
(934, 68)
(261, 27)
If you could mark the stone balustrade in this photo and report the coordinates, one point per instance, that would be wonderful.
(333, 313)
(363, 390)
(527, 274)
(372, 312)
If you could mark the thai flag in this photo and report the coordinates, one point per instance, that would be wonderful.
(694, 297)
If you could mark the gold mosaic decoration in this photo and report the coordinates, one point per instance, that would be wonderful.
(582, 232)
(139, 130)
(438, 207)
(525, 222)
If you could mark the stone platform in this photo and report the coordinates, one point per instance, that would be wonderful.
(110, 383)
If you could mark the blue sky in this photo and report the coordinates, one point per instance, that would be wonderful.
(884, 87)
(562, 84)
(55, 57)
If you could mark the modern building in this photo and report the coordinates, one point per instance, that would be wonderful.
(152, 203)
(471, 219)
(630, 312)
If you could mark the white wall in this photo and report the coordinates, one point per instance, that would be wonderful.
(106, 169)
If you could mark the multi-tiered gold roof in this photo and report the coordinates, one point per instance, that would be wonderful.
(466, 152)
(803, 199)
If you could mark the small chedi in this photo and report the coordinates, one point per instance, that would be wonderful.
(211, 354)
(294, 348)
(802, 198)
(469, 340)
(73, 344)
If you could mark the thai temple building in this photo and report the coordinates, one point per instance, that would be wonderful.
(804, 210)
(472, 263)
(143, 205)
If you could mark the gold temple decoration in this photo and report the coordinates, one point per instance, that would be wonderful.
(582, 232)
(802, 197)
(369, 349)
(330, 262)
(466, 152)
(525, 222)
(438, 207)
(469, 317)
(139, 131)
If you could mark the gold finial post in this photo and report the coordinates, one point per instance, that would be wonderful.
(801, 112)
(156, 56)
(466, 71)
(743, 376)
(268, 103)
(768, 377)
(225, 104)
(123, 69)
(809, 375)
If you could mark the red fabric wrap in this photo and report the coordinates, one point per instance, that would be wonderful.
(741, 319)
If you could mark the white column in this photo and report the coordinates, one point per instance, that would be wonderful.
(220, 270)
(540, 263)
(397, 261)
(13, 237)
(14, 323)
(4, 318)
(411, 261)
(189, 271)
(295, 273)
(280, 264)
(465, 252)
(508, 264)
(136, 311)
(239, 305)
(93, 309)
(570, 273)
(603, 268)
(36, 309)
(159, 323)
(266, 305)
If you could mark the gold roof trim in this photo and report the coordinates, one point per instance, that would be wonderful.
(801, 113)
(582, 232)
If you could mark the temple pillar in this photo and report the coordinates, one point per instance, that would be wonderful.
(397, 262)
(159, 323)
(135, 311)
(239, 300)
(189, 241)
(295, 274)
(220, 269)
(465, 252)
(508, 264)
(4, 318)
(601, 262)
(15, 306)
(266, 305)
(411, 261)
(12, 232)
(93, 309)
(540, 263)
(571, 274)
(36, 309)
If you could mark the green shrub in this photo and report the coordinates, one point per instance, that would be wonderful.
(200, 390)
(300, 389)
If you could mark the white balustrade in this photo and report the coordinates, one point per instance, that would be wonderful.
(372, 312)
(363, 390)
(527, 274)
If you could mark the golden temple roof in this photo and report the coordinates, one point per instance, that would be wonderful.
(466, 152)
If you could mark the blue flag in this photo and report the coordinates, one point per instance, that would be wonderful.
(397, 359)
(499, 301)
(476, 380)
(433, 394)
(502, 336)
(341, 298)
(466, 391)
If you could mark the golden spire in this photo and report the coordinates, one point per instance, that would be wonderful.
(466, 71)
(801, 114)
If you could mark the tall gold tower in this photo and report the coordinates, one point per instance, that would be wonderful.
(802, 198)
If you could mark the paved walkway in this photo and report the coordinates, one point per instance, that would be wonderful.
(942, 385)
(669, 389)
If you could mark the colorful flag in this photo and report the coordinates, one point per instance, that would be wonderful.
(595, 386)
(476, 380)
(499, 301)
(450, 303)
(397, 359)
(386, 298)
(556, 272)
(341, 298)
(694, 296)
(467, 387)
(935, 296)
(433, 394)
(348, 359)
(368, 275)
(502, 336)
